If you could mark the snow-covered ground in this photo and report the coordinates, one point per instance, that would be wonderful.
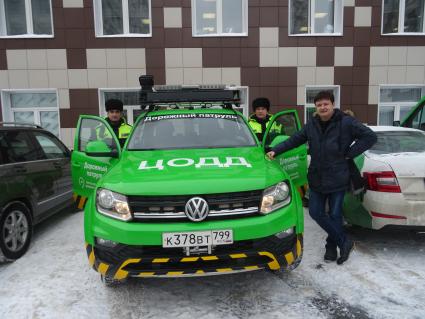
(384, 278)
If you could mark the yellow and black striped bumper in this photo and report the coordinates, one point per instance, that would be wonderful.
(197, 265)
(80, 201)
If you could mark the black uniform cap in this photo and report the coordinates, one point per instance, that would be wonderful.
(261, 102)
(114, 104)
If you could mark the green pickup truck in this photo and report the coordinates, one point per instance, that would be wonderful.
(191, 193)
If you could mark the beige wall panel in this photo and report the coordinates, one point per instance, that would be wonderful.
(269, 37)
(378, 75)
(231, 76)
(174, 75)
(397, 55)
(18, 79)
(135, 58)
(415, 75)
(96, 58)
(301, 96)
(306, 76)
(58, 79)
(288, 56)
(115, 58)
(307, 56)
(117, 78)
(97, 78)
(4, 79)
(172, 17)
(192, 75)
(396, 75)
(73, 4)
(416, 55)
(37, 59)
(324, 75)
(17, 59)
(192, 57)
(362, 16)
(379, 55)
(133, 77)
(56, 59)
(64, 99)
(343, 56)
(77, 79)
(38, 79)
(373, 94)
(211, 76)
(269, 57)
(173, 57)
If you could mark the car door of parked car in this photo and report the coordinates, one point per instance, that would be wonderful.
(283, 125)
(28, 174)
(93, 155)
(58, 158)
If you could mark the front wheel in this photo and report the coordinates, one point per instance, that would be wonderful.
(15, 231)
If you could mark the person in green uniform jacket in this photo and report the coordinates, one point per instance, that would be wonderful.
(261, 117)
(115, 118)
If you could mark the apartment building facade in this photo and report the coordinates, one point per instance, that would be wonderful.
(63, 58)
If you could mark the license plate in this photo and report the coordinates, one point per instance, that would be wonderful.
(198, 238)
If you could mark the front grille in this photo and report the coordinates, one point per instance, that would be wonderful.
(123, 252)
(156, 208)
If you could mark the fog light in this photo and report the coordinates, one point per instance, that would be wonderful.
(105, 242)
(285, 233)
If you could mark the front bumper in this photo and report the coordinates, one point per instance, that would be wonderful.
(154, 261)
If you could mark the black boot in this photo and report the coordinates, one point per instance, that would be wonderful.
(331, 254)
(345, 251)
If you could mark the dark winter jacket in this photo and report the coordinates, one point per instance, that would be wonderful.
(329, 171)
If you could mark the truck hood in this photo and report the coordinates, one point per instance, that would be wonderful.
(192, 171)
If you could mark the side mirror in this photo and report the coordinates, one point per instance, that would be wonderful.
(396, 123)
(100, 149)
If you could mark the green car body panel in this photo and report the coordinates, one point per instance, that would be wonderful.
(187, 172)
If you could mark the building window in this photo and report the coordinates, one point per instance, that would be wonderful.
(219, 17)
(37, 107)
(396, 102)
(29, 18)
(403, 17)
(315, 17)
(311, 92)
(118, 18)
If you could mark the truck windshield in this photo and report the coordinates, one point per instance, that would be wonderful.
(197, 130)
(399, 142)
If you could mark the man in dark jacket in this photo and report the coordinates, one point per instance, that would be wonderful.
(330, 134)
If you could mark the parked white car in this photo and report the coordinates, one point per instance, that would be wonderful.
(394, 171)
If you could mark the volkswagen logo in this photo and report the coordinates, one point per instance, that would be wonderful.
(196, 209)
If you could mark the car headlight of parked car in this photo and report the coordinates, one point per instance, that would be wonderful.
(275, 197)
(113, 205)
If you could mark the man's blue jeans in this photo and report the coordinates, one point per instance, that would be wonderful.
(330, 221)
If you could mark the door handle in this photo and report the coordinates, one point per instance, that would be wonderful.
(20, 169)
(76, 165)
(57, 165)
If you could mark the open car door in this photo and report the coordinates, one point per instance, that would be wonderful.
(416, 117)
(96, 149)
(283, 125)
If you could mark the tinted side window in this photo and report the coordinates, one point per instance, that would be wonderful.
(19, 147)
(3, 149)
(51, 147)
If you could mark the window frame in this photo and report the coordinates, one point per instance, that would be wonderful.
(29, 21)
(397, 105)
(219, 20)
(98, 22)
(338, 20)
(7, 111)
(401, 13)
(337, 95)
(129, 108)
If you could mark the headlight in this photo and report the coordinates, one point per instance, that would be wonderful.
(113, 205)
(275, 197)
